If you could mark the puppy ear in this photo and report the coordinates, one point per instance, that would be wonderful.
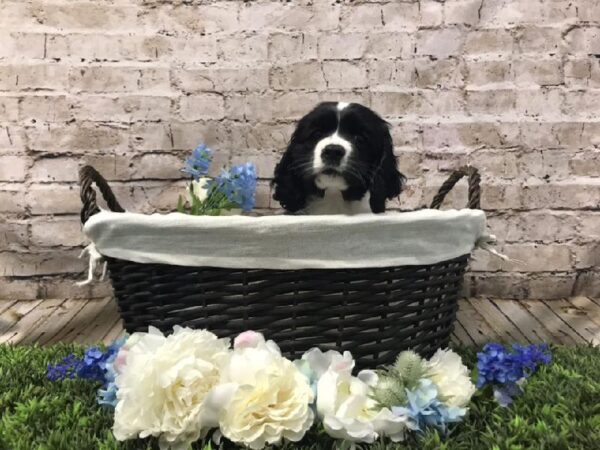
(393, 180)
(289, 187)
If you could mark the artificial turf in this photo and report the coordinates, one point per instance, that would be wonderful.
(560, 409)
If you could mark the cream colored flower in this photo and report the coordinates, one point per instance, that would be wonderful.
(199, 189)
(447, 371)
(163, 385)
(349, 413)
(263, 397)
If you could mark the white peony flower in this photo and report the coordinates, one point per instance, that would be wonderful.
(343, 401)
(163, 385)
(447, 371)
(263, 397)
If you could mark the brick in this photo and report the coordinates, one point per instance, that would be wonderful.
(396, 15)
(55, 169)
(13, 168)
(249, 49)
(587, 255)
(13, 236)
(391, 75)
(186, 136)
(15, 289)
(500, 101)
(578, 72)
(278, 16)
(510, 13)
(264, 137)
(202, 106)
(473, 135)
(288, 105)
(12, 139)
(344, 75)
(109, 48)
(574, 193)
(264, 162)
(38, 77)
(540, 72)
(488, 72)
(223, 79)
(111, 166)
(126, 108)
(76, 137)
(294, 47)
(198, 19)
(298, 76)
(541, 226)
(64, 286)
(583, 40)
(462, 12)
(538, 257)
(151, 136)
(496, 163)
(445, 73)
(12, 199)
(587, 283)
(84, 15)
(158, 166)
(117, 79)
(28, 45)
(440, 43)
(582, 103)
(552, 286)
(53, 199)
(588, 10)
(501, 196)
(441, 103)
(37, 108)
(57, 232)
(539, 40)
(342, 46)
(9, 109)
(494, 41)
(545, 164)
(539, 102)
(432, 13)
(48, 263)
(198, 49)
(390, 45)
(586, 164)
(397, 104)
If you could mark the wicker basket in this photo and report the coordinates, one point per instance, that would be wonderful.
(372, 312)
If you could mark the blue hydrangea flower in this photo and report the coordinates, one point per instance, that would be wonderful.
(238, 184)
(424, 409)
(198, 164)
(505, 369)
(67, 368)
(95, 365)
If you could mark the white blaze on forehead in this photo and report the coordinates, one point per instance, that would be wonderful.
(342, 105)
(334, 139)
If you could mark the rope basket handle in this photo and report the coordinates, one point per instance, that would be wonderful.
(474, 190)
(87, 176)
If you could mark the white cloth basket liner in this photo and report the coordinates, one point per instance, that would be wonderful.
(288, 242)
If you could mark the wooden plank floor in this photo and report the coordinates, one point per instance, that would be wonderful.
(568, 321)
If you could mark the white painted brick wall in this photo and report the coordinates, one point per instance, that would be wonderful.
(130, 86)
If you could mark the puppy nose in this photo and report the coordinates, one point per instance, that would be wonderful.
(333, 154)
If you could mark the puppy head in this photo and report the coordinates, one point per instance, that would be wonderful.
(341, 146)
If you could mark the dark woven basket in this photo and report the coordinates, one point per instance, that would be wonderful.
(373, 312)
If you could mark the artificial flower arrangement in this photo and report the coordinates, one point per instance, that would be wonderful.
(184, 385)
(231, 191)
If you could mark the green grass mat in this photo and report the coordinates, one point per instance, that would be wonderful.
(559, 410)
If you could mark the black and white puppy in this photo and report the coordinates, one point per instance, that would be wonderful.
(340, 160)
